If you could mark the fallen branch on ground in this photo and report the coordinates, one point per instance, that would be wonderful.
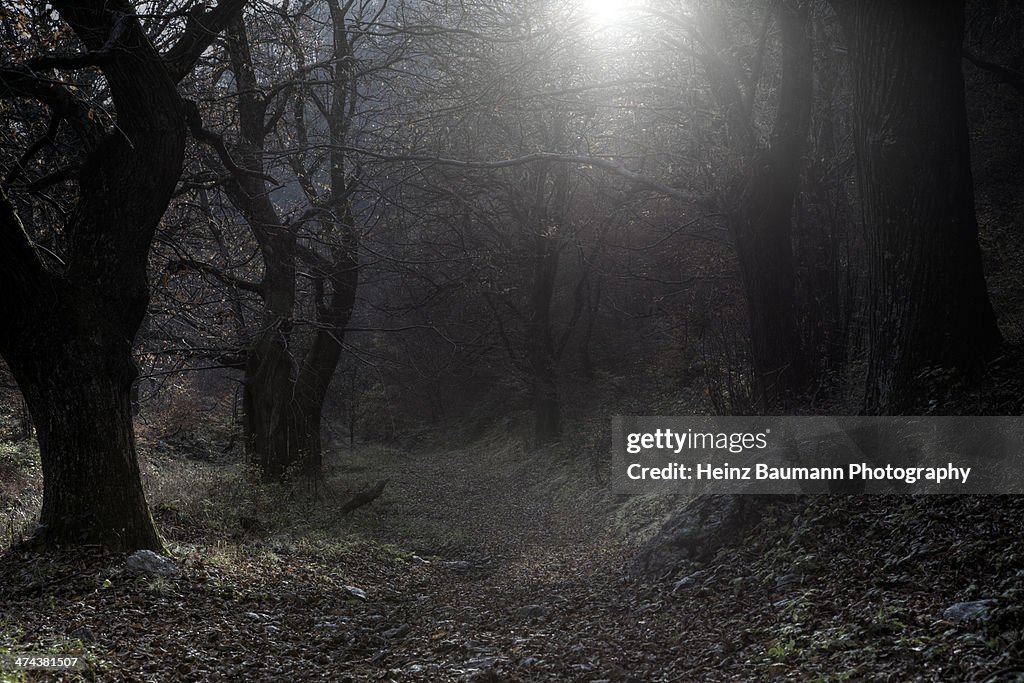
(364, 497)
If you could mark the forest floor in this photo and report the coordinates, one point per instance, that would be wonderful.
(490, 564)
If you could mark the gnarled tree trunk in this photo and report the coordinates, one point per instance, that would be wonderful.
(67, 334)
(285, 386)
(78, 393)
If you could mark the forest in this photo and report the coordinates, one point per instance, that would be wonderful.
(320, 320)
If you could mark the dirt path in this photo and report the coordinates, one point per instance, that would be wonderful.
(529, 589)
(488, 567)
(475, 568)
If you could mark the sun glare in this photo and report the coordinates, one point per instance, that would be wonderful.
(604, 11)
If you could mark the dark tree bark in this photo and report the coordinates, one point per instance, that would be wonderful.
(543, 362)
(544, 221)
(929, 315)
(79, 395)
(764, 222)
(593, 302)
(760, 204)
(67, 335)
(284, 388)
(267, 390)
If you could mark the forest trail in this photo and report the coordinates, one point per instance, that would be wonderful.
(522, 575)
(476, 566)
(496, 565)
(491, 502)
(524, 581)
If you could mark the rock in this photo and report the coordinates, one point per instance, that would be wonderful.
(258, 616)
(148, 563)
(700, 529)
(482, 662)
(688, 581)
(975, 610)
(84, 634)
(357, 593)
(458, 566)
(532, 611)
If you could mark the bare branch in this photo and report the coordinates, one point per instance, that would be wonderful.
(226, 278)
(20, 266)
(580, 160)
(19, 81)
(59, 176)
(48, 137)
(101, 57)
(200, 31)
(195, 125)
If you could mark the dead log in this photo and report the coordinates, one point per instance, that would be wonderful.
(364, 497)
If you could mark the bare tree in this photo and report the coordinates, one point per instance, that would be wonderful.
(283, 162)
(70, 318)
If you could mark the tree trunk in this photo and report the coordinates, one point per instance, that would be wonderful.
(586, 361)
(284, 388)
(71, 357)
(763, 224)
(283, 429)
(543, 360)
(760, 202)
(763, 232)
(322, 359)
(283, 400)
(930, 316)
(266, 406)
(24, 421)
(67, 335)
(270, 365)
(80, 399)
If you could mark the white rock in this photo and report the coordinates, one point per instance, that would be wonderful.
(149, 563)
(975, 610)
(355, 592)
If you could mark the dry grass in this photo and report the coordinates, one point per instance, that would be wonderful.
(21, 490)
